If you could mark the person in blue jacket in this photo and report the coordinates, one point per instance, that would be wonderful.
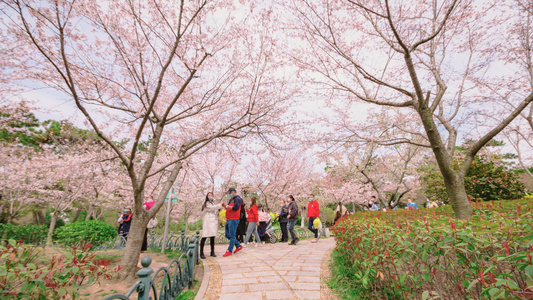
(410, 204)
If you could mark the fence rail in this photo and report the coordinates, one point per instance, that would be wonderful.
(180, 242)
(174, 278)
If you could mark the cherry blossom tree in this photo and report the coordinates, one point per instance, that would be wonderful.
(18, 179)
(520, 49)
(430, 59)
(276, 175)
(168, 77)
(341, 185)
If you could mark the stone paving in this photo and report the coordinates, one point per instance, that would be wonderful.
(273, 271)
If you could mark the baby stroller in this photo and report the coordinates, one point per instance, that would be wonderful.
(266, 232)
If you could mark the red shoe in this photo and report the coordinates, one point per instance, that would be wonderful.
(238, 249)
(227, 253)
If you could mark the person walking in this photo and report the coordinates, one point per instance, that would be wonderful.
(313, 212)
(209, 223)
(252, 223)
(292, 218)
(284, 212)
(241, 229)
(233, 213)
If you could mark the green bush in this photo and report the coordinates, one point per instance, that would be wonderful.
(29, 234)
(87, 232)
(327, 215)
(22, 278)
(489, 178)
(426, 254)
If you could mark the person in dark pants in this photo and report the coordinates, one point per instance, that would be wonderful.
(243, 223)
(313, 212)
(233, 213)
(293, 217)
(283, 221)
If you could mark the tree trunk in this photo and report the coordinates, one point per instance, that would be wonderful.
(139, 222)
(455, 186)
(41, 217)
(77, 215)
(53, 221)
(35, 220)
(89, 213)
(133, 246)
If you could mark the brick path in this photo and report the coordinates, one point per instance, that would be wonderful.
(273, 271)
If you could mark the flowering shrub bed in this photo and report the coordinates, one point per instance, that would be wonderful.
(21, 277)
(427, 254)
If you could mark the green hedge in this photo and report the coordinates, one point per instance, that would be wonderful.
(427, 254)
(87, 232)
(29, 234)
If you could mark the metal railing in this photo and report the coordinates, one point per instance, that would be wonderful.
(180, 242)
(174, 278)
(174, 242)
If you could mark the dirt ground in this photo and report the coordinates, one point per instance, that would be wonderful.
(98, 291)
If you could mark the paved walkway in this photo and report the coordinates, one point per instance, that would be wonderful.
(271, 271)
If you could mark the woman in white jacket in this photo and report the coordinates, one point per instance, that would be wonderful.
(210, 223)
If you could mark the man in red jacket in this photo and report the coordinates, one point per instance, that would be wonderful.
(233, 214)
(313, 211)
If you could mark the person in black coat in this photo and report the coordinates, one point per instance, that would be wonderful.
(243, 223)
(283, 214)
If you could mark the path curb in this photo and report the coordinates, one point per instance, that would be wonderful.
(205, 282)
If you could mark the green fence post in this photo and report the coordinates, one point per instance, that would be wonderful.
(183, 246)
(190, 258)
(196, 248)
(144, 274)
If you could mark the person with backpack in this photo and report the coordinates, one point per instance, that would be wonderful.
(233, 214)
(283, 221)
(313, 212)
(292, 217)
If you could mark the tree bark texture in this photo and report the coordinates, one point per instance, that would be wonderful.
(77, 215)
(53, 221)
(133, 245)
